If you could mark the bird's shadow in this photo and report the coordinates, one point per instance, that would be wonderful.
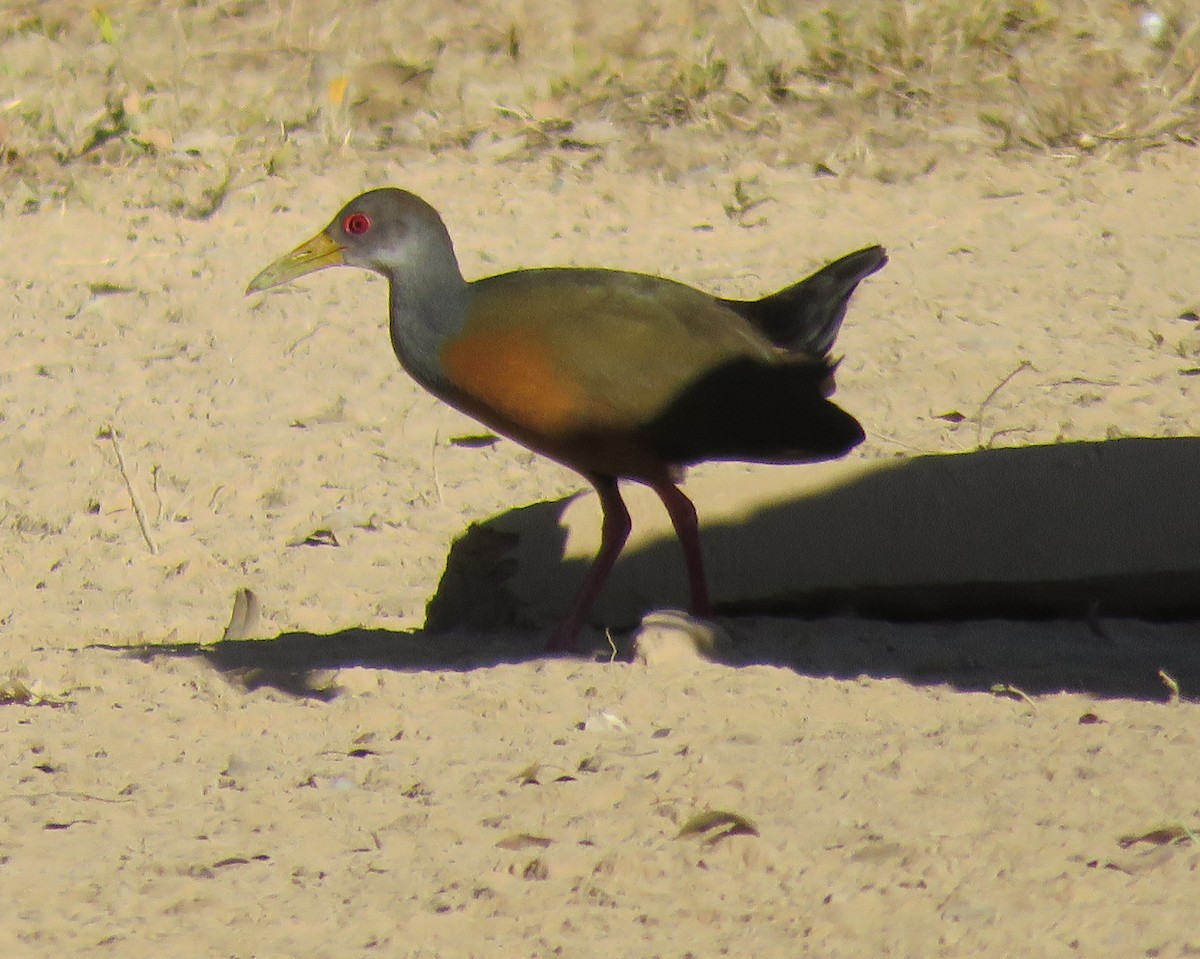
(1070, 567)
(301, 663)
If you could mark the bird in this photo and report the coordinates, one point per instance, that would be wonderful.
(615, 374)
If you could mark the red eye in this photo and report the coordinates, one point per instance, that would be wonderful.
(356, 224)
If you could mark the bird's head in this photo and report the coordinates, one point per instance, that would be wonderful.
(387, 231)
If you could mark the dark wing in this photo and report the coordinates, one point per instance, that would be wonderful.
(752, 411)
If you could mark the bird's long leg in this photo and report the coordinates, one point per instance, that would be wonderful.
(613, 535)
(687, 528)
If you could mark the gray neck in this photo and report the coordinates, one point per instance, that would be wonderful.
(427, 308)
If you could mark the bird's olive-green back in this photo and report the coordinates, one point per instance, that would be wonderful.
(624, 344)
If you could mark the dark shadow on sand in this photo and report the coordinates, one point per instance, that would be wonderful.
(1069, 567)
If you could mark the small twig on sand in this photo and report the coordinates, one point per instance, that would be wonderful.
(110, 434)
(154, 471)
(612, 646)
(1023, 365)
(307, 336)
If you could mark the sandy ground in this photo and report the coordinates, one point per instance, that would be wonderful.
(464, 795)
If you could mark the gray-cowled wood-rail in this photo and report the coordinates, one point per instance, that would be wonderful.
(615, 374)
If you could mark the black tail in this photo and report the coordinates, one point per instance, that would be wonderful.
(806, 316)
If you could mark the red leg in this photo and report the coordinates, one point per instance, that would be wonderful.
(613, 535)
(687, 528)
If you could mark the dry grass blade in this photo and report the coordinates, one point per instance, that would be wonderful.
(111, 435)
(1161, 836)
(244, 618)
(717, 824)
(529, 775)
(474, 441)
(1168, 680)
(523, 840)
(318, 537)
(1008, 378)
(1004, 689)
(14, 691)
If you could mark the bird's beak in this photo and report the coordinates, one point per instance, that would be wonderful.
(318, 253)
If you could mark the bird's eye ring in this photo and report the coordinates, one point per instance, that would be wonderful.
(356, 224)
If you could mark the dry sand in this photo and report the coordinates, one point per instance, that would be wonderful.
(349, 785)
